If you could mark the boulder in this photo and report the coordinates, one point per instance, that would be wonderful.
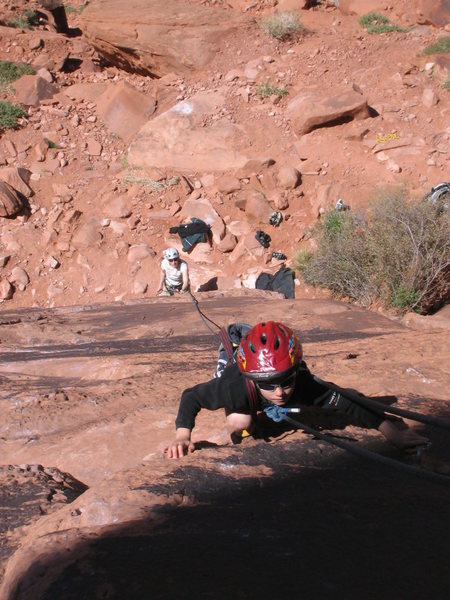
(434, 12)
(247, 247)
(124, 110)
(88, 235)
(429, 98)
(257, 207)
(19, 277)
(288, 177)
(10, 202)
(204, 210)
(18, 178)
(139, 252)
(239, 228)
(157, 37)
(6, 290)
(227, 184)
(312, 109)
(254, 167)
(228, 243)
(279, 200)
(178, 139)
(30, 90)
(116, 207)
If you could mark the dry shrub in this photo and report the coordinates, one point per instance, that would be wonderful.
(282, 25)
(398, 252)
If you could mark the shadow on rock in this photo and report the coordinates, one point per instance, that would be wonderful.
(322, 524)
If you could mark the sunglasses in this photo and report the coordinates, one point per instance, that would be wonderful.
(173, 259)
(271, 386)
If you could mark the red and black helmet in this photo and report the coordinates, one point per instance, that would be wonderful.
(269, 350)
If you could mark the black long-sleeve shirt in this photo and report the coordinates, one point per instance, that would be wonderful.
(231, 393)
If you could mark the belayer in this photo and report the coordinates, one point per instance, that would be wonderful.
(270, 375)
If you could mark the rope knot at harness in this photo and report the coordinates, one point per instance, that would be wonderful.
(277, 413)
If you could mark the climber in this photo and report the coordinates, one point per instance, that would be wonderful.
(174, 274)
(271, 376)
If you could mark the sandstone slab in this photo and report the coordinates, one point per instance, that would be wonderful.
(157, 37)
(30, 90)
(312, 109)
(10, 201)
(179, 140)
(125, 110)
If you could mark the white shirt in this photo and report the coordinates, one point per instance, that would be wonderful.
(174, 275)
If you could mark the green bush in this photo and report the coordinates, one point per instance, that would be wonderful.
(440, 47)
(9, 113)
(398, 252)
(26, 21)
(282, 25)
(341, 262)
(10, 71)
(265, 90)
(377, 23)
(446, 84)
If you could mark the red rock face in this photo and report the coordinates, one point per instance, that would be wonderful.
(90, 394)
(436, 13)
(92, 365)
(157, 38)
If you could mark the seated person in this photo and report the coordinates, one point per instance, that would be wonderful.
(174, 274)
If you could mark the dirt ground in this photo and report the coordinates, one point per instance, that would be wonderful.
(73, 188)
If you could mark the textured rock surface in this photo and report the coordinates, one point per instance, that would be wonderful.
(155, 37)
(93, 392)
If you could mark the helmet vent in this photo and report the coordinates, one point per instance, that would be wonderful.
(263, 338)
(276, 344)
(251, 347)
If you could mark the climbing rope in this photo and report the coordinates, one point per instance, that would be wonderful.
(378, 406)
(361, 452)
(203, 316)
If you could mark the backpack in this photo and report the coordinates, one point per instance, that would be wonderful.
(230, 338)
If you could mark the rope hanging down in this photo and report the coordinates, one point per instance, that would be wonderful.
(203, 316)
